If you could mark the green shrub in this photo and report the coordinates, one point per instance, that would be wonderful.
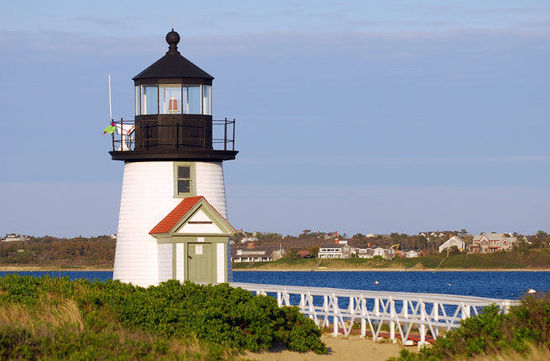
(220, 317)
(492, 332)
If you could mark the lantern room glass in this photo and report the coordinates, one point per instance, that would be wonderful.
(149, 99)
(173, 99)
(138, 99)
(206, 99)
(170, 99)
(192, 99)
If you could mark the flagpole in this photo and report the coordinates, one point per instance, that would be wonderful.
(110, 105)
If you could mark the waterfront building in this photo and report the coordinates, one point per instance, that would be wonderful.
(15, 237)
(411, 254)
(332, 251)
(253, 255)
(365, 252)
(170, 159)
(493, 242)
(454, 241)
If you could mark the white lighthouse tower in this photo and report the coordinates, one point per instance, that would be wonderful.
(172, 221)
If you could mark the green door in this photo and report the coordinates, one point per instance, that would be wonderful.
(199, 262)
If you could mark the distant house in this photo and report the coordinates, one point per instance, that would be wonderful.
(248, 239)
(432, 234)
(278, 254)
(454, 241)
(386, 253)
(252, 255)
(365, 252)
(332, 251)
(493, 242)
(411, 254)
(14, 237)
(340, 249)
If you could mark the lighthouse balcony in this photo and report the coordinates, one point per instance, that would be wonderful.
(192, 138)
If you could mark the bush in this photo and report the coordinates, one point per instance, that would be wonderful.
(220, 317)
(492, 332)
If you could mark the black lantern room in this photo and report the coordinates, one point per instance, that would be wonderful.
(173, 114)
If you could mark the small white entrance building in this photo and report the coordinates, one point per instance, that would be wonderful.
(192, 243)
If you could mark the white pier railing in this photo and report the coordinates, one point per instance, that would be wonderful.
(426, 314)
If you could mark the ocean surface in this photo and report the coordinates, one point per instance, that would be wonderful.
(511, 285)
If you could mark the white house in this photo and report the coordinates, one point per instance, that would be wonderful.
(14, 237)
(365, 252)
(452, 242)
(248, 239)
(333, 251)
(411, 254)
(386, 253)
(252, 255)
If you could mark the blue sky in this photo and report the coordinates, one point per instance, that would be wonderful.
(360, 116)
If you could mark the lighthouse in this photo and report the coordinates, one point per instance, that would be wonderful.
(173, 216)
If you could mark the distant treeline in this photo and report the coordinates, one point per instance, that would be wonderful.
(59, 252)
(516, 259)
(312, 240)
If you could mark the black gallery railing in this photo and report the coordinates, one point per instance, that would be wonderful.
(155, 135)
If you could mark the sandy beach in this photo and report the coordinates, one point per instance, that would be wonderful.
(340, 348)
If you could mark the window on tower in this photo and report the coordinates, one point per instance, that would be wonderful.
(184, 179)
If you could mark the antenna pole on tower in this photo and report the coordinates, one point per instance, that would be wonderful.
(110, 104)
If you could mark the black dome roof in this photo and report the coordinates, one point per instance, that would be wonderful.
(173, 64)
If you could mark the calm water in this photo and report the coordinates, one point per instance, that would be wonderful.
(484, 284)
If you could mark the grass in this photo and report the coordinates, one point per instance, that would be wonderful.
(534, 354)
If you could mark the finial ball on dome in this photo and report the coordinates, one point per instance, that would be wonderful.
(172, 38)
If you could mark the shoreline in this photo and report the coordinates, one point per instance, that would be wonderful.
(392, 270)
(53, 269)
(283, 269)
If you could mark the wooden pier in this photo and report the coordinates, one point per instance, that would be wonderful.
(411, 317)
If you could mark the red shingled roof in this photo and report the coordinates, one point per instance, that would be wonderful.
(177, 213)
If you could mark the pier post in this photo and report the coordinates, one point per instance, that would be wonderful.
(325, 308)
(436, 318)
(376, 311)
(335, 317)
(363, 316)
(465, 311)
(392, 322)
(422, 327)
